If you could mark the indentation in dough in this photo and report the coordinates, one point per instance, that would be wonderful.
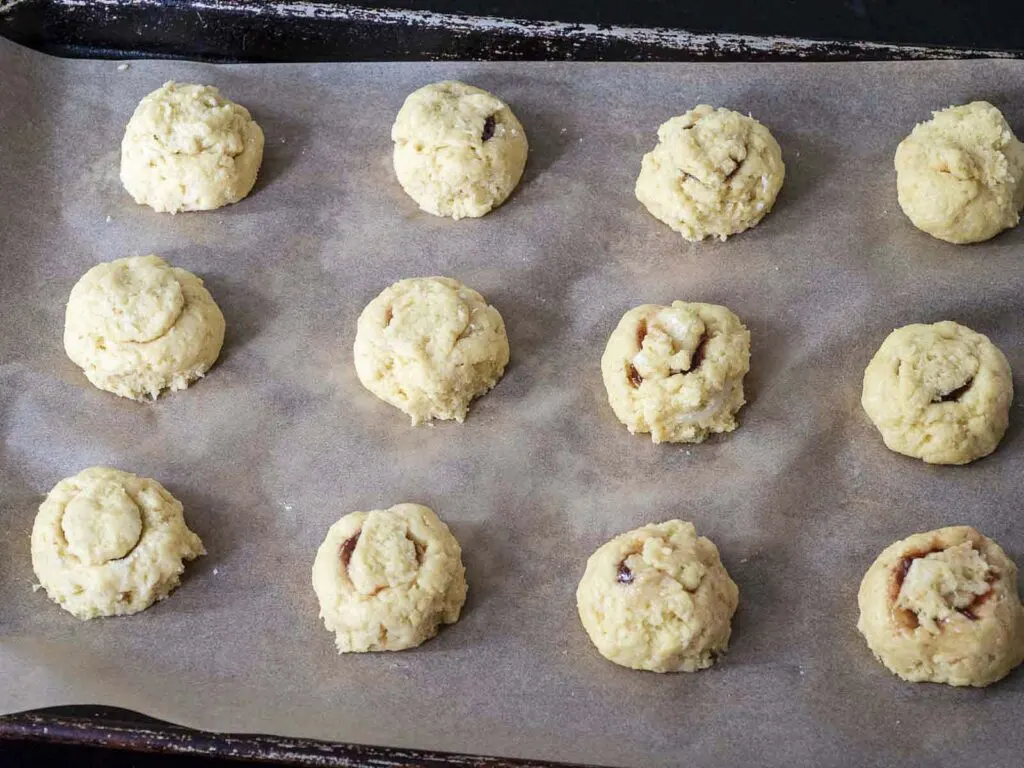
(739, 164)
(347, 549)
(956, 394)
(623, 574)
(635, 379)
(488, 133)
(698, 353)
(934, 586)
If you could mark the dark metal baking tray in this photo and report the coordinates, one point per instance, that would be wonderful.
(279, 30)
(642, 30)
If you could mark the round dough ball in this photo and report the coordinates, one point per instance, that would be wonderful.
(137, 326)
(959, 175)
(713, 173)
(658, 598)
(187, 148)
(459, 150)
(110, 543)
(939, 392)
(677, 372)
(387, 579)
(428, 346)
(943, 607)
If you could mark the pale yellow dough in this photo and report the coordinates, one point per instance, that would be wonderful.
(943, 607)
(713, 173)
(939, 392)
(188, 148)
(110, 543)
(658, 598)
(137, 326)
(960, 176)
(459, 150)
(677, 372)
(428, 346)
(387, 579)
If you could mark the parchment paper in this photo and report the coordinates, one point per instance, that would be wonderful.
(280, 439)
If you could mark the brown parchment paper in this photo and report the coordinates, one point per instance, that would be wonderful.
(280, 439)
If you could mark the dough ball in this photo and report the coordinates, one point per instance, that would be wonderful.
(187, 148)
(958, 176)
(137, 326)
(428, 346)
(713, 173)
(658, 598)
(387, 579)
(459, 150)
(939, 392)
(943, 607)
(677, 372)
(109, 543)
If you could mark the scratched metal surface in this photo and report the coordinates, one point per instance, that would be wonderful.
(312, 30)
(280, 439)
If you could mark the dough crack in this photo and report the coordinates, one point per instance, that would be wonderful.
(954, 395)
(488, 133)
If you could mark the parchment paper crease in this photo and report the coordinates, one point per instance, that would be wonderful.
(280, 439)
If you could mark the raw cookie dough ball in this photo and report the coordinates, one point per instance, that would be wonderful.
(110, 543)
(428, 346)
(137, 326)
(939, 392)
(387, 579)
(942, 607)
(959, 175)
(187, 148)
(713, 173)
(658, 598)
(677, 372)
(459, 150)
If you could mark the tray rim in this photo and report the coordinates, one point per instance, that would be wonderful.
(112, 728)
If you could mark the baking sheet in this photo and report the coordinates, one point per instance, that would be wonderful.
(280, 439)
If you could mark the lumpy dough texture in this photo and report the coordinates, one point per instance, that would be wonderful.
(137, 326)
(387, 579)
(677, 371)
(187, 148)
(939, 392)
(110, 543)
(943, 607)
(459, 150)
(658, 598)
(713, 173)
(959, 176)
(429, 346)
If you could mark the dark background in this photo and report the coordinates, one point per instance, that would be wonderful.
(229, 33)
